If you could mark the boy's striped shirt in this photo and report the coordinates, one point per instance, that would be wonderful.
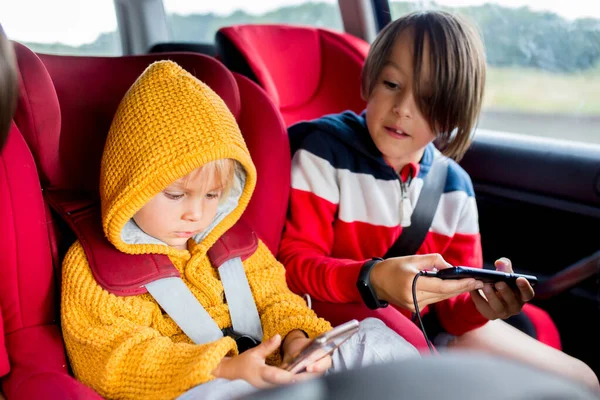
(346, 208)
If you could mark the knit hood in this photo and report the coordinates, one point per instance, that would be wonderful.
(168, 124)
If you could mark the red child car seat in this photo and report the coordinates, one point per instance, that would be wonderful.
(89, 90)
(67, 152)
(307, 72)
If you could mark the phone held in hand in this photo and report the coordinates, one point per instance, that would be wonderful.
(483, 275)
(321, 346)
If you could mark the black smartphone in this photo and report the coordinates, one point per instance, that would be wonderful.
(483, 275)
(321, 346)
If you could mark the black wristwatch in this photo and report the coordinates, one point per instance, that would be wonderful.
(364, 285)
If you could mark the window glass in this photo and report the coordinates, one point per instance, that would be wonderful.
(198, 21)
(73, 27)
(543, 64)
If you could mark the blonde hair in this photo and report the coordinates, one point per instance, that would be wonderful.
(458, 69)
(224, 170)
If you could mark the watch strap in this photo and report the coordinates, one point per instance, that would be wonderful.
(366, 289)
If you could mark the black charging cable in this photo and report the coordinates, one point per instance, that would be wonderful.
(418, 313)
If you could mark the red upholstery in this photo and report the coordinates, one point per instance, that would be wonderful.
(4, 365)
(267, 140)
(307, 72)
(27, 288)
(545, 328)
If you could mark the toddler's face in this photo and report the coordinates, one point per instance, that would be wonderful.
(395, 122)
(183, 209)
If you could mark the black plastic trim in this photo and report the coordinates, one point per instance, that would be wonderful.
(561, 169)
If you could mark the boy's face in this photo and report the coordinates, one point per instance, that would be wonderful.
(183, 209)
(397, 126)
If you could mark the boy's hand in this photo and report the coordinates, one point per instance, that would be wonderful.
(500, 300)
(250, 366)
(294, 342)
(392, 280)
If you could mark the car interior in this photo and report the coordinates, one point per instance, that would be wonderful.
(538, 198)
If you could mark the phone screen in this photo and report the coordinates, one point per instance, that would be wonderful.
(322, 346)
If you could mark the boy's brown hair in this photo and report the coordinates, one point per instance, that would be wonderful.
(457, 73)
(8, 86)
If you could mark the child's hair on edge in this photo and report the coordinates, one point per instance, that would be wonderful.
(224, 171)
(457, 73)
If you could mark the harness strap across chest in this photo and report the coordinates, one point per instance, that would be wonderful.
(127, 275)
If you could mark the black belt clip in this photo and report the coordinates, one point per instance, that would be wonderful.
(243, 342)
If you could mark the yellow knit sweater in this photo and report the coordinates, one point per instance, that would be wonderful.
(168, 124)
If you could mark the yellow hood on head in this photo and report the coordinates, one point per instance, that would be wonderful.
(168, 124)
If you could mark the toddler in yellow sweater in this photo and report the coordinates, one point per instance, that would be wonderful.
(175, 176)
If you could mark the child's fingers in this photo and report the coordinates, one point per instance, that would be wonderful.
(429, 261)
(510, 298)
(320, 366)
(525, 289)
(495, 301)
(431, 290)
(503, 264)
(265, 348)
(482, 305)
(276, 376)
(304, 376)
(452, 287)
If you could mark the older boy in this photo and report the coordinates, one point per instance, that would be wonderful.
(356, 178)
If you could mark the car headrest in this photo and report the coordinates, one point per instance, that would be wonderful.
(38, 112)
(68, 142)
(307, 72)
(285, 59)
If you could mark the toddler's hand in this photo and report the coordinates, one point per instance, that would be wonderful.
(251, 367)
(293, 346)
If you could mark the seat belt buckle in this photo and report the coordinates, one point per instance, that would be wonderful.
(243, 342)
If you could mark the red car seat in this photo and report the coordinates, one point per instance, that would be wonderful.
(64, 112)
(38, 367)
(89, 90)
(307, 72)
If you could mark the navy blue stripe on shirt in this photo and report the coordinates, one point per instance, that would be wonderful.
(342, 156)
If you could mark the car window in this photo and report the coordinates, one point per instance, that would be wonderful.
(544, 64)
(72, 27)
(198, 21)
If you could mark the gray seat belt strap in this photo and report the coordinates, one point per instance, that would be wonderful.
(242, 307)
(182, 306)
(179, 302)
